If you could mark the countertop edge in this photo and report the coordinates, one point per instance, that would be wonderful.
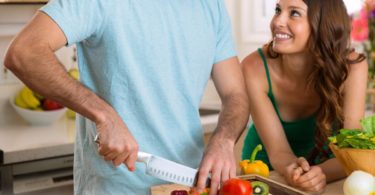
(37, 153)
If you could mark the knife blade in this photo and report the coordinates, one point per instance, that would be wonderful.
(168, 170)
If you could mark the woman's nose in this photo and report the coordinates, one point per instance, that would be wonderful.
(280, 20)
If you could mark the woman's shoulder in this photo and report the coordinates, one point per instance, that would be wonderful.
(253, 63)
(254, 72)
(357, 73)
(358, 65)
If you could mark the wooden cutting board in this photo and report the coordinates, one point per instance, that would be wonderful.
(166, 189)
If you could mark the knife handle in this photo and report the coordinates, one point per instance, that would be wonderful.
(143, 157)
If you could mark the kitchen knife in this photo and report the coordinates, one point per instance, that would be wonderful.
(165, 169)
(168, 170)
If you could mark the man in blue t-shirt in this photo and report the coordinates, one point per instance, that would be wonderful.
(144, 66)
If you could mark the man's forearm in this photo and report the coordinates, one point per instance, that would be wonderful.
(43, 73)
(233, 117)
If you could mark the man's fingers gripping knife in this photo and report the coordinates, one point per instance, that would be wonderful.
(116, 156)
(130, 161)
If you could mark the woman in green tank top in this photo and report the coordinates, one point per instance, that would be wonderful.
(300, 84)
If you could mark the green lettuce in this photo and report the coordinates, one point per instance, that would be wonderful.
(356, 138)
(368, 125)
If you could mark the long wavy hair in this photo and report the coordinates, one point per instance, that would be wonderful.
(329, 45)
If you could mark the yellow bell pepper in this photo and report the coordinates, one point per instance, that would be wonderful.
(253, 166)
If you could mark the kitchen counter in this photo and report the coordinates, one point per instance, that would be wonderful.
(28, 150)
(334, 188)
(22, 142)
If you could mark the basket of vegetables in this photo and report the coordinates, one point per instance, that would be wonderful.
(354, 148)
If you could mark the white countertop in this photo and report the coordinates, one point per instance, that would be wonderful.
(23, 142)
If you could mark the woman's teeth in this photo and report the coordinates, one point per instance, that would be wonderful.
(282, 36)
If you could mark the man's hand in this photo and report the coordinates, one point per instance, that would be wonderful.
(219, 156)
(116, 142)
(219, 161)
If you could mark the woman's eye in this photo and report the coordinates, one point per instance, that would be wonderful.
(277, 10)
(295, 13)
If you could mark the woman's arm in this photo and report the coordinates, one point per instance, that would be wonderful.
(264, 115)
(354, 91)
(355, 94)
(354, 109)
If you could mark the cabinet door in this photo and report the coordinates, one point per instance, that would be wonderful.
(255, 19)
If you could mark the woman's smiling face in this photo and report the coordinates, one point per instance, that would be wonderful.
(290, 27)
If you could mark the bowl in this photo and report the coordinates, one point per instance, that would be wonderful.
(355, 159)
(38, 117)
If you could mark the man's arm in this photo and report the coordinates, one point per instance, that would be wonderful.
(219, 155)
(31, 58)
(230, 84)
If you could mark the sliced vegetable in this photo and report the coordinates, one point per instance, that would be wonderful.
(260, 188)
(205, 192)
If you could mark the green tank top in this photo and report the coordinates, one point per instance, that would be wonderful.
(300, 133)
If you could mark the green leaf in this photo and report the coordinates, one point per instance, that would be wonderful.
(356, 138)
(368, 125)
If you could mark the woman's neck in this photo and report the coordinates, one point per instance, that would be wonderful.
(296, 66)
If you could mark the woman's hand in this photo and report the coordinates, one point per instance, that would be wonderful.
(312, 181)
(308, 178)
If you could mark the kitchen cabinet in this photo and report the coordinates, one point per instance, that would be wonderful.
(256, 16)
(14, 16)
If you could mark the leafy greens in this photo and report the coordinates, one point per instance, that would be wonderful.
(356, 138)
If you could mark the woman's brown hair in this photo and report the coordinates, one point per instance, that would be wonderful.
(329, 45)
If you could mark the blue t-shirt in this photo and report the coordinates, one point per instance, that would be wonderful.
(150, 60)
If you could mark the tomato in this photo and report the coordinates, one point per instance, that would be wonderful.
(236, 186)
